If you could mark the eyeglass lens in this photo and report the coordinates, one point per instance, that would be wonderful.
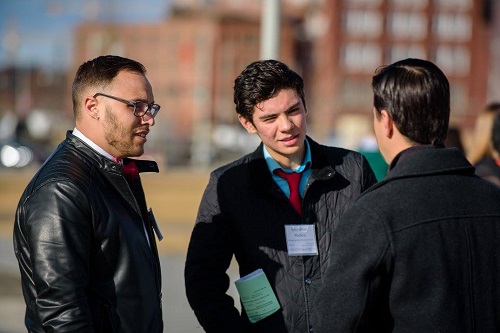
(142, 108)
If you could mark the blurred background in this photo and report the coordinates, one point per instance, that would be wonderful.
(194, 49)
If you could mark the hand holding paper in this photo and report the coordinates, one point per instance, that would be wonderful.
(257, 296)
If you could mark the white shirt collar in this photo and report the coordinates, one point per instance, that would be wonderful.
(92, 145)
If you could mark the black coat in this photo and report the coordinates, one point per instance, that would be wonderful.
(243, 213)
(84, 257)
(418, 252)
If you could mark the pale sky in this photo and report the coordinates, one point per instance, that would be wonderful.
(38, 32)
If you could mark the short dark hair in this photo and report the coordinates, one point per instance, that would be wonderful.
(100, 72)
(262, 80)
(416, 94)
(495, 133)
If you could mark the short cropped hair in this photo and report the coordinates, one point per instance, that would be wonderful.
(416, 94)
(262, 80)
(99, 73)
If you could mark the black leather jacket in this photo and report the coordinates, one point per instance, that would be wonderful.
(86, 263)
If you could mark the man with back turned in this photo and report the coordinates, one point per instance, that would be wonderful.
(419, 251)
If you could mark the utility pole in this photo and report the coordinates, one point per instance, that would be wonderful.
(270, 29)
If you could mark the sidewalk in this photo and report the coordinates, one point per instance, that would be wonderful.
(177, 315)
(11, 298)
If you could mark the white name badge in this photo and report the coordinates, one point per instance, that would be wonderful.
(301, 240)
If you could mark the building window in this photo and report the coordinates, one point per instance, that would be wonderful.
(403, 51)
(455, 4)
(453, 60)
(413, 4)
(452, 27)
(459, 98)
(408, 25)
(372, 3)
(363, 23)
(361, 57)
(251, 40)
(353, 94)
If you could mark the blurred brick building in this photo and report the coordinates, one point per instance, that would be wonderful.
(194, 55)
(357, 36)
(192, 60)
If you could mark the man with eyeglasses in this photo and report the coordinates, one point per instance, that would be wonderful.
(83, 235)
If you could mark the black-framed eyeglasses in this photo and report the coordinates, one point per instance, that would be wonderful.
(140, 107)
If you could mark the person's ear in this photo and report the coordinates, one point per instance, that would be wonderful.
(90, 107)
(387, 124)
(247, 124)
